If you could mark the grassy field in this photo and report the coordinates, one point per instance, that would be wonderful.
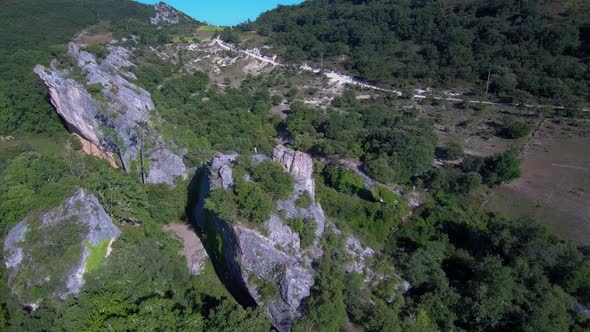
(555, 185)
(97, 253)
(210, 28)
(476, 128)
(190, 39)
(17, 143)
(203, 33)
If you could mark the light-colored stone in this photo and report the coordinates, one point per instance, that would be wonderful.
(116, 124)
(167, 15)
(82, 208)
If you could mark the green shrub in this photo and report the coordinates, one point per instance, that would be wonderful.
(501, 168)
(273, 179)
(342, 179)
(253, 203)
(382, 194)
(306, 229)
(223, 203)
(95, 90)
(99, 51)
(276, 100)
(515, 129)
(304, 201)
(371, 221)
(453, 151)
(166, 203)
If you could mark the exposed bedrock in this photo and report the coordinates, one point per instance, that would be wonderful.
(116, 117)
(50, 250)
(269, 253)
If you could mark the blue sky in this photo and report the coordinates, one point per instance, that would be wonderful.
(224, 12)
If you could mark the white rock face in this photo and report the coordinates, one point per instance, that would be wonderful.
(359, 255)
(116, 122)
(166, 15)
(299, 165)
(14, 254)
(73, 103)
(82, 208)
(272, 252)
(165, 166)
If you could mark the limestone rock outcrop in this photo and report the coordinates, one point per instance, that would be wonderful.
(115, 118)
(271, 253)
(165, 166)
(167, 15)
(51, 250)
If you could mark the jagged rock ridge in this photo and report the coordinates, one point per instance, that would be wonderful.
(118, 122)
(271, 253)
(165, 14)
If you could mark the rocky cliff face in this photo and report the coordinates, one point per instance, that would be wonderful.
(50, 250)
(271, 255)
(167, 15)
(116, 119)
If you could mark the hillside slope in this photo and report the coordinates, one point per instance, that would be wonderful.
(534, 48)
(321, 206)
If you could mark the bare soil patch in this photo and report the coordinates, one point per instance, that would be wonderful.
(97, 34)
(192, 250)
(282, 110)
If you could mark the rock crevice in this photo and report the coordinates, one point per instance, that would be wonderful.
(269, 254)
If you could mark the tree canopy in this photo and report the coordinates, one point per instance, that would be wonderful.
(527, 48)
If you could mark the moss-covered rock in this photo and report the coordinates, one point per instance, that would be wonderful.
(48, 253)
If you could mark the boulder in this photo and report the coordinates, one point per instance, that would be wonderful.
(50, 250)
(165, 166)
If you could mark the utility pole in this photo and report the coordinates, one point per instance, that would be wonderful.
(488, 83)
(321, 61)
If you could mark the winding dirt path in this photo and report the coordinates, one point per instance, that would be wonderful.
(340, 78)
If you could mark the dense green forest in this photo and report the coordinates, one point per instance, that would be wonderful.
(529, 48)
(469, 270)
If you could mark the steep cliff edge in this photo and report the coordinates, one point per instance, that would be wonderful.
(267, 261)
(47, 254)
(270, 263)
(116, 117)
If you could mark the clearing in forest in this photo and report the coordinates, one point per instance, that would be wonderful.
(554, 188)
(193, 249)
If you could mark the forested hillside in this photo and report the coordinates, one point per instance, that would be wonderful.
(328, 206)
(529, 48)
